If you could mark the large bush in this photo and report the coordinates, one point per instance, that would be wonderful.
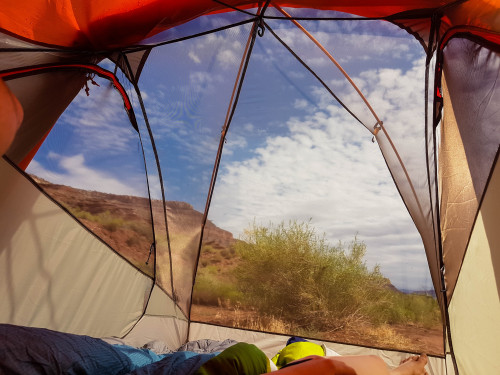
(289, 272)
(212, 290)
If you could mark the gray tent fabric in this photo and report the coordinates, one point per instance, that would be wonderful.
(58, 89)
(471, 74)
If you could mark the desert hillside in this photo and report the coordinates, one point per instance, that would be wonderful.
(124, 222)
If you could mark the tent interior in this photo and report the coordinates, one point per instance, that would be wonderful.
(255, 171)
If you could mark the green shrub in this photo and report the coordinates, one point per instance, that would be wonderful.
(301, 278)
(143, 229)
(216, 258)
(208, 249)
(395, 307)
(112, 222)
(289, 272)
(80, 214)
(211, 291)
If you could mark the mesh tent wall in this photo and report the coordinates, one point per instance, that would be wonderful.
(62, 272)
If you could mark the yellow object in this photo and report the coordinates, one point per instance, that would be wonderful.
(295, 351)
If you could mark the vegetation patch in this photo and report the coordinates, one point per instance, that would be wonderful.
(287, 279)
(212, 291)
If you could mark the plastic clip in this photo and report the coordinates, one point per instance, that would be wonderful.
(376, 129)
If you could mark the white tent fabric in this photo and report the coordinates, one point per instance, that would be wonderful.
(35, 256)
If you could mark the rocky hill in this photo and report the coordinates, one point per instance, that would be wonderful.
(124, 222)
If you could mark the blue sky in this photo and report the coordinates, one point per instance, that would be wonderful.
(292, 153)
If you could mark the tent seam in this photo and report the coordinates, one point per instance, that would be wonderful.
(153, 245)
(437, 114)
(160, 177)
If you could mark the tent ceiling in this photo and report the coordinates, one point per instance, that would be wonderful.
(102, 25)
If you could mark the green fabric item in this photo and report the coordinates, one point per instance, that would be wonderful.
(239, 359)
(295, 351)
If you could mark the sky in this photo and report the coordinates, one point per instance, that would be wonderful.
(291, 153)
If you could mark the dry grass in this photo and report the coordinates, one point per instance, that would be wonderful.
(385, 336)
(235, 316)
(261, 323)
(402, 337)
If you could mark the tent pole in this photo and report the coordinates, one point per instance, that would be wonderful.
(437, 115)
(256, 29)
(379, 124)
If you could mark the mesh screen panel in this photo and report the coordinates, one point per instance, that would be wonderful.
(187, 89)
(199, 25)
(295, 163)
(91, 163)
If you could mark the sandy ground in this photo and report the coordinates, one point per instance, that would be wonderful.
(406, 338)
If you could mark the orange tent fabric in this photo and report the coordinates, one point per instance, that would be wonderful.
(96, 25)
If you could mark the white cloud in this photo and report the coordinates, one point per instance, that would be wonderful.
(228, 57)
(100, 121)
(192, 55)
(234, 142)
(204, 149)
(226, 48)
(324, 167)
(77, 174)
(301, 103)
(350, 46)
(199, 81)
